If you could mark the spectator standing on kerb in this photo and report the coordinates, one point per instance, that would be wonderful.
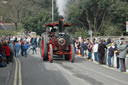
(37, 41)
(82, 47)
(12, 52)
(85, 47)
(89, 47)
(122, 48)
(25, 46)
(33, 43)
(11, 46)
(108, 41)
(101, 51)
(15, 40)
(95, 50)
(111, 53)
(76, 46)
(3, 59)
(17, 49)
(22, 42)
(7, 52)
(2, 50)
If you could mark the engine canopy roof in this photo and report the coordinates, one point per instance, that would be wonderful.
(57, 24)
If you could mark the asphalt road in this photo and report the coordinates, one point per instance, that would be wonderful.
(36, 72)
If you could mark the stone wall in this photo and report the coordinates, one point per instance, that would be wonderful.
(7, 26)
(111, 37)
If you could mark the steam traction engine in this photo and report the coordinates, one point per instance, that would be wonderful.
(57, 43)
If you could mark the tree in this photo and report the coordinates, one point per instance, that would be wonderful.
(35, 23)
(36, 20)
(95, 14)
(18, 10)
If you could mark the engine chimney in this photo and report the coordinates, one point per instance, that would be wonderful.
(61, 20)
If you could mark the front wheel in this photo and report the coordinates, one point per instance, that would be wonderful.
(72, 53)
(50, 54)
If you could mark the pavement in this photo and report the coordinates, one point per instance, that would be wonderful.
(5, 74)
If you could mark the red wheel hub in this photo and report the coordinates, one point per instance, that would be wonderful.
(43, 49)
(49, 54)
(70, 57)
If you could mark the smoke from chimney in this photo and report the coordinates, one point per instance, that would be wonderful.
(61, 4)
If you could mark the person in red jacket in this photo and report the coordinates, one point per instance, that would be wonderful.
(7, 52)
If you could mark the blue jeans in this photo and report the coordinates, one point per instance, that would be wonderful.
(29, 49)
(37, 44)
(89, 55)
(33, 48)
(17, 53)
(96, 56)
(3, 55)
(25, 52)
(82, 51)
(109, 61)
(3, 62)
(122, 64)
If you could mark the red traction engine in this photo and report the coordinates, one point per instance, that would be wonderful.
(56, 43)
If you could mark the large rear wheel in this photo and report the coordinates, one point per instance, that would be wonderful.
(44, 48)
(50, 53)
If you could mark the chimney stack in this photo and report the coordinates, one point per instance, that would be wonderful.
(61, 20)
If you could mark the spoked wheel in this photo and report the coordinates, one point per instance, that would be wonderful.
(44, 48)
(50, 54)
(72, 53)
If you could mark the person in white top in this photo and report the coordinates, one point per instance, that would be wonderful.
(37, 41)
(95, 50)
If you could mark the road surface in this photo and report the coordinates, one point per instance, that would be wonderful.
(33, 71)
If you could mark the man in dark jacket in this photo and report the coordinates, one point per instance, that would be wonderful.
(83, 47)
(101, 51)
(111, 53)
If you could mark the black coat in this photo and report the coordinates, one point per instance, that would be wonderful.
(83, 46)
(111, 51)
(101, 48)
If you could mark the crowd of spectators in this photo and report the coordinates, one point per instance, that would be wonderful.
(102, 49)
(13, 46)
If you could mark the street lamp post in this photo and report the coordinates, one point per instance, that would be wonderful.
(52, 10)
(3, 2)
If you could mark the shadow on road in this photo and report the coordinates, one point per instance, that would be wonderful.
(79, 59)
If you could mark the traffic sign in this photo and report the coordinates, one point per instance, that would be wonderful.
(126, 26)
(1, 19)
(90, 32)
